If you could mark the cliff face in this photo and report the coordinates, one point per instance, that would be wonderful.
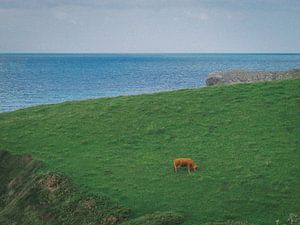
(27, 197)
(243, 76)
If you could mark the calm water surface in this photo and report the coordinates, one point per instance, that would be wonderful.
(32, 79)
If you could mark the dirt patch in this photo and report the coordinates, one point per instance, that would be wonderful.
(89, 203)
(51, 183)
(111, 220)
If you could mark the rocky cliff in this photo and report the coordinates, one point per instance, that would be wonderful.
(244, 76)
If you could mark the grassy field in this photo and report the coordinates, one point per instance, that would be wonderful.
(245, 138)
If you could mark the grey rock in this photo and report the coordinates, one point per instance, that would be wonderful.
(245, 76)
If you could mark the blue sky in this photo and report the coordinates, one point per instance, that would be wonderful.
(149, 26)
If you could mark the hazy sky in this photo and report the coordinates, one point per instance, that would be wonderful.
(149, 25)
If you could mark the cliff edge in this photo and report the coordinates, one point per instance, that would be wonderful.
(244, 76)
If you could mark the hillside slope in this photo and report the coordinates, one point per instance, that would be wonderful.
(31, 198)
(28, 197)
(244, 137)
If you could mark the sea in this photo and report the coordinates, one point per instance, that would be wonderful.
(33, 79)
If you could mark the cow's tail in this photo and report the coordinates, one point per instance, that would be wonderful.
(174, 167)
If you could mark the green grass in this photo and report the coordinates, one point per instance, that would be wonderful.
(30, 198)
(245, 138)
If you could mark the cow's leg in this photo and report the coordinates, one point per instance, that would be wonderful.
(189, 169)
(175, 168)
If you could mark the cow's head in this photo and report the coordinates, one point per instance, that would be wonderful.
(195, 166)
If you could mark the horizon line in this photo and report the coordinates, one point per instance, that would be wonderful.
(128, 53)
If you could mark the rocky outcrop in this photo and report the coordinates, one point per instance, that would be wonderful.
(244, 76)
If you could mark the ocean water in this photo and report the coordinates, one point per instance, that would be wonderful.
(32, 79)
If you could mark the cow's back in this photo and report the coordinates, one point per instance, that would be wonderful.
(183, 161)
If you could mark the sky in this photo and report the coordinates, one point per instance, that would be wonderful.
(149, 26)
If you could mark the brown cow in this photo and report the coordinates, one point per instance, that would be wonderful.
(185, 162)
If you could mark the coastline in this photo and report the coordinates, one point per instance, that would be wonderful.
(33, 79)
(248, 76)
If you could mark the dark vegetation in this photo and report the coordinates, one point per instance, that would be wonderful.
(28, 197)
(31, 198)
(244, 137)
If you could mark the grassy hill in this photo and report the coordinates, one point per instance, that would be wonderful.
(29, 197)
(244, 137)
